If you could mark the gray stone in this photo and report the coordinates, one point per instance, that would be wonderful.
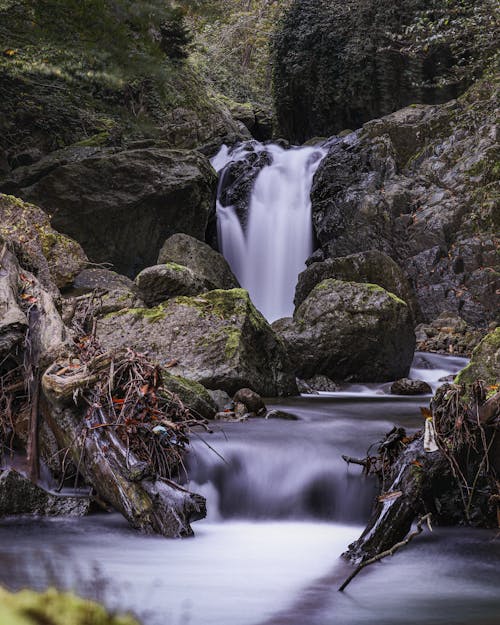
(405, 386)
(218, 339)
(160, 282)
(203, 260)
(371, 266)
(18, 495)
(122, 206)
(350, 331)
(221, 400)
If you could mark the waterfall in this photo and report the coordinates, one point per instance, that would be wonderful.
(268, 252)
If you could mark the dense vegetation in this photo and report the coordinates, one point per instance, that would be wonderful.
(74, 70)
(339, 64)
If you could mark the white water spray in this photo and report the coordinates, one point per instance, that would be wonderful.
(268, 257)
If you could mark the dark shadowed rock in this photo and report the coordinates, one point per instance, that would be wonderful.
(372, 266)
(122, 206)
(405, 386)
(18, 495)
(203, 260)
(218, 339)
(350, 331)
(252, 400)
(158, 283)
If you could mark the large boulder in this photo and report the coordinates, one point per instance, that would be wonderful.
(53, 257)
(122, 206)
(218, 339)
(371, 266)
(350, 331)
(485, 362)
(203, 260)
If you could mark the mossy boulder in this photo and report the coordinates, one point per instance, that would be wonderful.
(158, 283)
(54, 608)
(218, 339)
(485, 362)
(373, 267)
(53, 257)
(122, 206)
(350, 332)
(203, 260)
(192, 394)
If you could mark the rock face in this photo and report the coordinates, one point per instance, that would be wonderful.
(51, 256)
(20, 496)
(218, 339)
(419, 186)
(121, 206)
(349, 331)
(485, 362)
(372, 266)
(203, 260)
(448, 334)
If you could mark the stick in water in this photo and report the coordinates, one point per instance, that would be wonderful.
(389, 552)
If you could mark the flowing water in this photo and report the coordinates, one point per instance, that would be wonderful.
(282, 507)
(268, 253)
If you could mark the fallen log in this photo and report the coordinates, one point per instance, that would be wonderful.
(149, 504)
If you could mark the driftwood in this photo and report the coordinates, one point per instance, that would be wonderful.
(458, 483)
(149, 504)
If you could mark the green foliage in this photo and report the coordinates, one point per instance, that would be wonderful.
(73, 69)
(231, 46)
(339, 63)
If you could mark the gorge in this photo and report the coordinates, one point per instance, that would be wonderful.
(249, 295)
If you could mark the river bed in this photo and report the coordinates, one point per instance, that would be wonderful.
(282, 508)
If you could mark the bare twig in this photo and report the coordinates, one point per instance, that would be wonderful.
(389, 552)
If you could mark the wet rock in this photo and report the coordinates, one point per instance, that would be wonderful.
(448, 334)
(282, 415)
(122, 206)
(349, 331)
(204, 261)
(405, 386)
(253, 401)
(241, 411)
(485, 362)
(53, 257)
(318, 383)
(18, 495)
(218, 339)
(158, 283)
(372, 267)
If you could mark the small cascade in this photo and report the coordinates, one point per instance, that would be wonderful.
(268, 246)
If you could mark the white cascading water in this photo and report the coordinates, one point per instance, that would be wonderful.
(269, 255)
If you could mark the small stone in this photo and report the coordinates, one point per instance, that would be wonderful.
(405, 386)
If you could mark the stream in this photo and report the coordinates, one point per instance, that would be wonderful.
(282, 508)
